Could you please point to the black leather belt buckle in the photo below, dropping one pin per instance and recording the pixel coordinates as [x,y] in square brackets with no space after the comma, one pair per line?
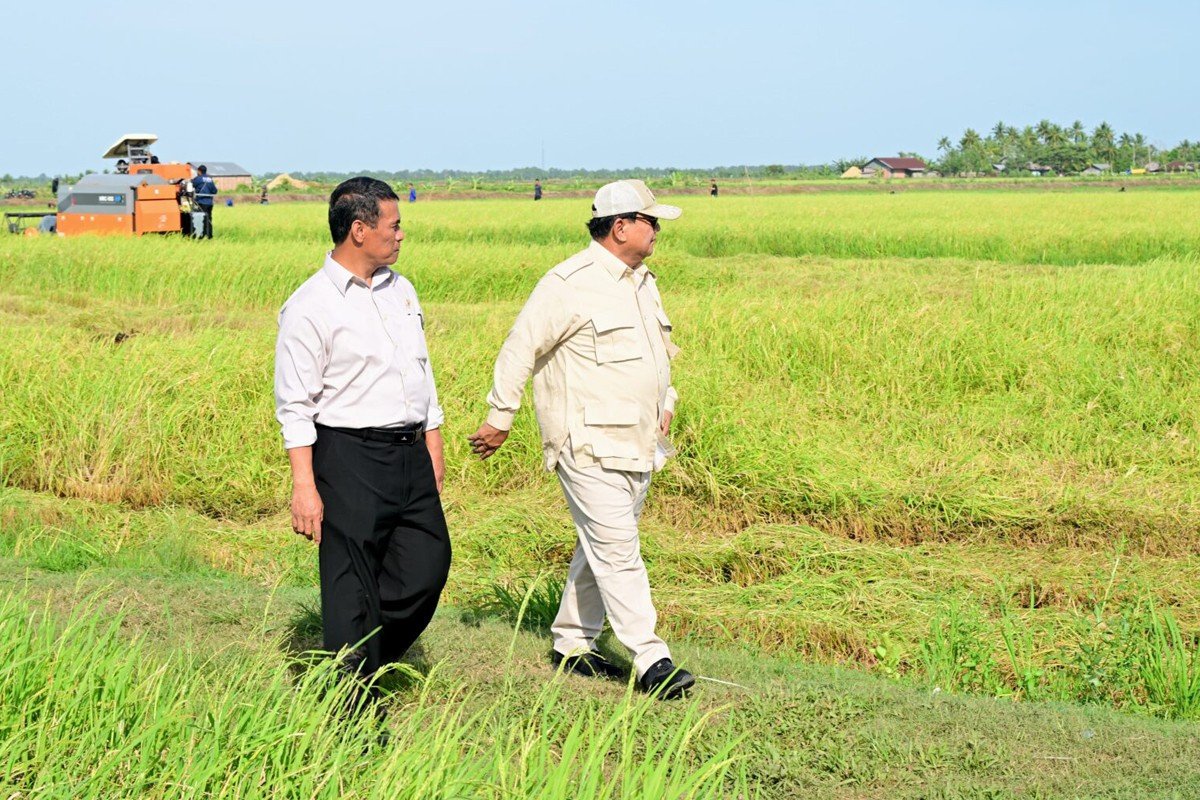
[405,437]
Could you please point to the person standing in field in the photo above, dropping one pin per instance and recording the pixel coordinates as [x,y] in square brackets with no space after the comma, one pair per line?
[595,338]
[206,191]
[412,193]
[357,402]
[537,189]
[712,188]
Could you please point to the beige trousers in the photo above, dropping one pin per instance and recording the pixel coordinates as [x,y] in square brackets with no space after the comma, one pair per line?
[607,572]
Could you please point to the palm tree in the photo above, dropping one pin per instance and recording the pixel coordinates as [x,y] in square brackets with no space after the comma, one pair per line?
[970,139]
[1139,143]
[1078,134]
[1045,130]
[944,144]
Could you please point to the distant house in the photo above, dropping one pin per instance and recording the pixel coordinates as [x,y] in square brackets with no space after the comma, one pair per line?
[868,172]
[896,167]
[1153,167]
[226,174]
[998,168]
[1038,170]
[1097,169]
[1181,166]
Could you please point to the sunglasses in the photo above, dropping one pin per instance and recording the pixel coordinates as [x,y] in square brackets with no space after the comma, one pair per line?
[651,220]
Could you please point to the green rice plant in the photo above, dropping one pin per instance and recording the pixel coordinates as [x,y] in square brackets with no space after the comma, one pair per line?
[86,713]
[1170,667]
[1027,668]
[956,655]
[530,604]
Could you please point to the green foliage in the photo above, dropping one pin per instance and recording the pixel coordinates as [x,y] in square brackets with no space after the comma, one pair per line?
[1066,150]
[531,604]
[82,707]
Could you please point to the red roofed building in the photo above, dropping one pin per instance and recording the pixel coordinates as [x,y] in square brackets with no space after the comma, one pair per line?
[897,167]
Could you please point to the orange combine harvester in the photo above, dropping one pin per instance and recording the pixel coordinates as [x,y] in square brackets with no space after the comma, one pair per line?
[144,196]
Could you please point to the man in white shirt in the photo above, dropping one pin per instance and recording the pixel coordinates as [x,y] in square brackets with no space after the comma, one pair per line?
[597,342]
[355,396]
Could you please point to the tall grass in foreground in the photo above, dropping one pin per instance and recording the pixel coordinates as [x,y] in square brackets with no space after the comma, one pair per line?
[86,713]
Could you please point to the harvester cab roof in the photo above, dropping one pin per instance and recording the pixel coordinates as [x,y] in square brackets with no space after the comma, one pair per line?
[132,148]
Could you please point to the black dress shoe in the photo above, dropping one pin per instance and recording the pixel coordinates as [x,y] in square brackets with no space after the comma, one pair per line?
[590,665]
[666,681]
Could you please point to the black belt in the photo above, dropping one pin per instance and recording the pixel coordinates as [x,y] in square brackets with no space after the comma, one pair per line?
[407,435]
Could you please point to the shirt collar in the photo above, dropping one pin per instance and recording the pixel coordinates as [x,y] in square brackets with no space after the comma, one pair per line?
[612,265]
[342,277]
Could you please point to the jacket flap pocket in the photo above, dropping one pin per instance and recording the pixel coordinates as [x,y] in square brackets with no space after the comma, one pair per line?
[605,321]
[611,413]
[663,319]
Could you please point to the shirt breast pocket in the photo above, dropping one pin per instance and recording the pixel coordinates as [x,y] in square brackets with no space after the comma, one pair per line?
[407,335]
[616,338]
[664,328]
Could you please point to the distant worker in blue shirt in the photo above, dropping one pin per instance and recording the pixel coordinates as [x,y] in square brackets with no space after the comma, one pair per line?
[537,189]
[206,191]
[412,193]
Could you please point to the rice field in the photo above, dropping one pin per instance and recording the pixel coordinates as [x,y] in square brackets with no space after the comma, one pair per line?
[949,440]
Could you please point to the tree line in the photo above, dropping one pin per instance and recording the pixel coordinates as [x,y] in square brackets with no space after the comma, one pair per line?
[1067,149]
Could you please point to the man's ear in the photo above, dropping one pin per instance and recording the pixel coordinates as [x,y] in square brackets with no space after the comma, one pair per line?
[618,230]
[358,231]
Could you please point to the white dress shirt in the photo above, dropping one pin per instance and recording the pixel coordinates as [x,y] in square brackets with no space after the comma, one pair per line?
[351,355]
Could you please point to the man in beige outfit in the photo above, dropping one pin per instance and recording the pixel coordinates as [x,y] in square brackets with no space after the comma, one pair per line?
[597,342]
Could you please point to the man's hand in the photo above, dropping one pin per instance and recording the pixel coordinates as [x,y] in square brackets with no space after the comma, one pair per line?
[307,511]
[487,440]
[307,508]
[666,422]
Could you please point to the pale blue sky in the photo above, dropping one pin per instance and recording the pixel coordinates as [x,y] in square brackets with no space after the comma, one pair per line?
[481,85]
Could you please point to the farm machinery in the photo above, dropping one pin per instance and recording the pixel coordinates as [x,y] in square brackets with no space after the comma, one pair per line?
[143,196]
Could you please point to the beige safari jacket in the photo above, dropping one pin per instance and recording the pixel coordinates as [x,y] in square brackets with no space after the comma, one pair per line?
[596,339]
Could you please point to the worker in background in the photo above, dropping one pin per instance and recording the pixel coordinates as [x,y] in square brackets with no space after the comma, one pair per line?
[206,190]
[537,189]
[412,193]
[263,199]
[712,188]
[54,187]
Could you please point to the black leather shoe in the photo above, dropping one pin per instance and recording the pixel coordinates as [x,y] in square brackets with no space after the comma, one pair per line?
[590,665]
[666,681]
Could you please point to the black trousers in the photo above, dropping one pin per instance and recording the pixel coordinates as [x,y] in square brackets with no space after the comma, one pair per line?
[385,549]
[207,232]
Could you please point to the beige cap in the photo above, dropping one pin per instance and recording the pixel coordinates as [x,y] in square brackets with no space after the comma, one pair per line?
[627,197]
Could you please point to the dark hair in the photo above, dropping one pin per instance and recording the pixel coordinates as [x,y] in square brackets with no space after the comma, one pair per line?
[599,227]
[203,170]
[356,198]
